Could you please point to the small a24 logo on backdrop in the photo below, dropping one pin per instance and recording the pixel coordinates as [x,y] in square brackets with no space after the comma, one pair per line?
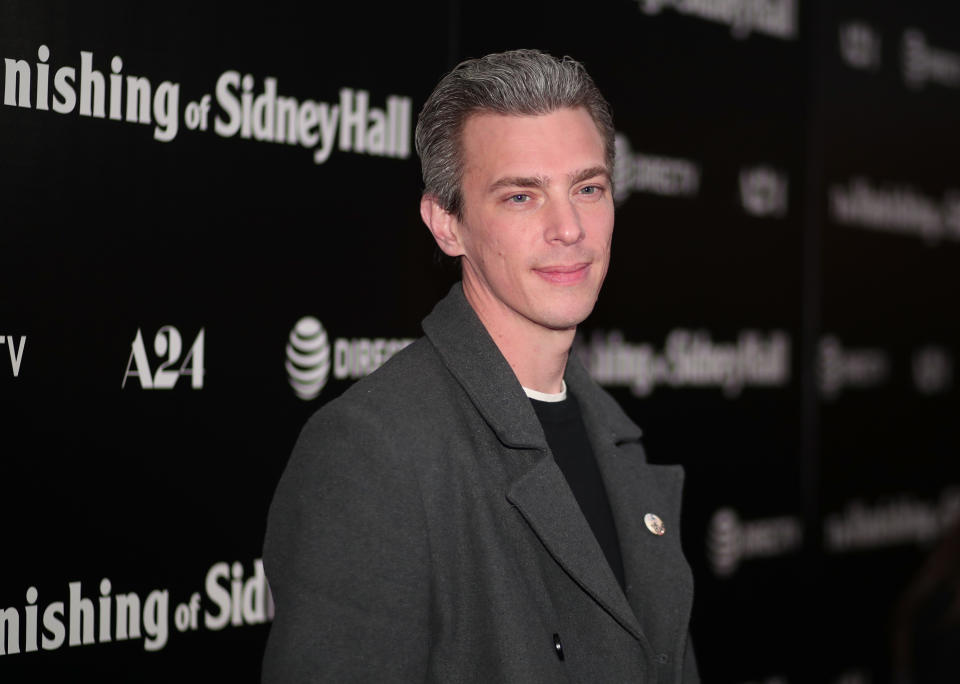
[169,364]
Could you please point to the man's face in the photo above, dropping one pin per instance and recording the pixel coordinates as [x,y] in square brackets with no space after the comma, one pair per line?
[537,218]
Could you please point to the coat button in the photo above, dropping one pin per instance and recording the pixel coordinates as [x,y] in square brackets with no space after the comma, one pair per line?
[558,646]
[654,524]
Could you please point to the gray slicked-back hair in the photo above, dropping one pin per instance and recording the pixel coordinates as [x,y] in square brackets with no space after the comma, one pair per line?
[519,82]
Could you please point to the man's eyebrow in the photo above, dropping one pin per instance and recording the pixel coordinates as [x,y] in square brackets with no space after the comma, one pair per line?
[583,175]
[519,182]
[543,181]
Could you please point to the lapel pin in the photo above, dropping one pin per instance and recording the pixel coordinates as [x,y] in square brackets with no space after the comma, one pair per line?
[654,524]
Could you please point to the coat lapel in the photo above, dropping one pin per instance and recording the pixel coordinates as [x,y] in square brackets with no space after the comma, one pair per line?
[547,504]
[654,566]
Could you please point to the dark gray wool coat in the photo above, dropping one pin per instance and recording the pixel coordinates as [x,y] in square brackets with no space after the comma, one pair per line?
[422,532]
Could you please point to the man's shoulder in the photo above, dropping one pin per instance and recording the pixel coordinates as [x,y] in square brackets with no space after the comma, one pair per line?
[413,376]
[407,392]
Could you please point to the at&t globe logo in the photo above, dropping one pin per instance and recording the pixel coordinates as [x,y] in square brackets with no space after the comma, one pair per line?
[308,358]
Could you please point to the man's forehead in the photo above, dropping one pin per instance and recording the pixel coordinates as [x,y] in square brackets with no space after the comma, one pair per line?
[515,145]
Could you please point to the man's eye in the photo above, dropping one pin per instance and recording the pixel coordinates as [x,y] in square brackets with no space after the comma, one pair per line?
[591,190]
[519,198]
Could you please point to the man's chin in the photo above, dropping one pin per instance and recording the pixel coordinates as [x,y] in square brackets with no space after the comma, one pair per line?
[565,320]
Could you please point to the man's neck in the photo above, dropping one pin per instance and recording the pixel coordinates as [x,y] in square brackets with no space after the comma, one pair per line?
[537,355]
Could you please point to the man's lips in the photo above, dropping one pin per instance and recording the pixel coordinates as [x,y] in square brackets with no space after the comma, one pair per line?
[563,274]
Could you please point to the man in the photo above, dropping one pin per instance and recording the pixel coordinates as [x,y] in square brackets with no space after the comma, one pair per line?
[479,510]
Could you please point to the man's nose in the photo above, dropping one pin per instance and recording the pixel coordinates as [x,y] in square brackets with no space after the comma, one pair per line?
[563,223]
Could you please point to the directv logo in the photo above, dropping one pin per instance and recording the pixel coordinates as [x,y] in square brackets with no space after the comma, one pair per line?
[308,358]
[312,356]
[723,542]
[657,175]
[731,540]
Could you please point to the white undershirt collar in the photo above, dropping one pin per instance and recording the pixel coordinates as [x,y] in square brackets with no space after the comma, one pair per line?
[544,396]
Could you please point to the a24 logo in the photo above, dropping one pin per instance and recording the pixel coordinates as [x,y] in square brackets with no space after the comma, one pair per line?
[167,346]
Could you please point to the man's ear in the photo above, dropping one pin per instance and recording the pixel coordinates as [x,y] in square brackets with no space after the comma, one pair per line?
[443,225]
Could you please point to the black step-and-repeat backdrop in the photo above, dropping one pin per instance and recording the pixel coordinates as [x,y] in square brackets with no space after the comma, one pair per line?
[210,228]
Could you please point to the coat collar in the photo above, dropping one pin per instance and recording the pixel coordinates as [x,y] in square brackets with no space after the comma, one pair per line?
[475,361]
